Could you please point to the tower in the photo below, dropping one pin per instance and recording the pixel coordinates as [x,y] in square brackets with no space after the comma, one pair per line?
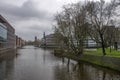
[35,42]
[44,39]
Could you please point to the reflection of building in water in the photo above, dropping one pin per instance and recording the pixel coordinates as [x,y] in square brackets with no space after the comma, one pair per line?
[2,70]
[94,73]
[6,69]
[83,72]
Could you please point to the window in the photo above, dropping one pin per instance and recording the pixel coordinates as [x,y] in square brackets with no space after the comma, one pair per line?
[3,33]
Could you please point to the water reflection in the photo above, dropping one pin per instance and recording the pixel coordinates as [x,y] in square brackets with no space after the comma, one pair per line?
[92,73]
[82,71]
[39,64]
[7,66]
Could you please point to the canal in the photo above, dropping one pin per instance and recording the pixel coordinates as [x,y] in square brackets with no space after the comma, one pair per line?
[33,63]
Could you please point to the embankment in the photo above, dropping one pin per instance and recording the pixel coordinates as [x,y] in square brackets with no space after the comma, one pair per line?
[104,61]
[7,53]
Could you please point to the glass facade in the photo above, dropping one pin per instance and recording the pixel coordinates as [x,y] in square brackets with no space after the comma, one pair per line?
[3,33]
[7,34]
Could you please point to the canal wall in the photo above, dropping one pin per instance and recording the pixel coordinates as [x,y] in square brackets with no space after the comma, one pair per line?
[104,61]
[7,52]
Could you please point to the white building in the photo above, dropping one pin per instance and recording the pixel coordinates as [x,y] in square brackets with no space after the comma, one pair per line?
[48,41]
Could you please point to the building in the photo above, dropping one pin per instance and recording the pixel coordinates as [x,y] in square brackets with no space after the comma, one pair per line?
[90,43]
[48,41]
[36,42]
[3,35]
[19,42]
[7,34]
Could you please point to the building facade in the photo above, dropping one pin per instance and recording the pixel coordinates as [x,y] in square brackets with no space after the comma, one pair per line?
[48,41]
[3,35]
[19,42]
[36,42]
[7,34]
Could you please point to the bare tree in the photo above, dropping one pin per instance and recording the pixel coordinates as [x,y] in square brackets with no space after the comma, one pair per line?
[77,21]
[71,23]
[99,16]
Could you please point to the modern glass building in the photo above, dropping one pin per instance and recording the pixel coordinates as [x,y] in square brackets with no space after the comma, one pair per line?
[7,34]
[3,35]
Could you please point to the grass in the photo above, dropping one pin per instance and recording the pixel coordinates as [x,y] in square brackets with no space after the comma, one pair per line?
[98,52]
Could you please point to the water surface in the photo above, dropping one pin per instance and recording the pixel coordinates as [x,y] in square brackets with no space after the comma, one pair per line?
[39,64]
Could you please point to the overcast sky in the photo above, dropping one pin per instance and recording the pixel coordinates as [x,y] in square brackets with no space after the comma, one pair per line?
[31,17]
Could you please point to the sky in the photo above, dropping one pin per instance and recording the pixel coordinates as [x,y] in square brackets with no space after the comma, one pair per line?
[31,18]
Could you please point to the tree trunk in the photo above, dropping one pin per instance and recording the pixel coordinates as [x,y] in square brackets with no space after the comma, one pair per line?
[80,51]
[63,60]
[103,45]
[115,46]
[68,64]
[110,47]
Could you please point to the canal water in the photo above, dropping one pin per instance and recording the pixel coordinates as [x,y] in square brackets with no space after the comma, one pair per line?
[33,63]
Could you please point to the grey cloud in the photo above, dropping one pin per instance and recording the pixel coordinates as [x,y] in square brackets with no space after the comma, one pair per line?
[26,11]
[27,19]
[33,31]
[40,28]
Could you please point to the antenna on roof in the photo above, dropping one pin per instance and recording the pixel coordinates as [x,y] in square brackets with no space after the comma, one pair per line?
[44,37]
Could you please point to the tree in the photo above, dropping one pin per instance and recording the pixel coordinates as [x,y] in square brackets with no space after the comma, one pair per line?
[99,16]
[71,23]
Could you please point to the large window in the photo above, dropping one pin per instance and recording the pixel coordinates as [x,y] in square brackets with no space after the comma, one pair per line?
[3,33]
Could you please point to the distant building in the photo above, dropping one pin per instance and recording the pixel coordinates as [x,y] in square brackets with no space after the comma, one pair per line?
[36,42]
[19,42]
[48,41]
[90,43]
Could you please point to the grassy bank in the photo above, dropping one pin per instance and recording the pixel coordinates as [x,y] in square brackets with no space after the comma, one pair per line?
[95,56]
[113,53]
[104,61]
